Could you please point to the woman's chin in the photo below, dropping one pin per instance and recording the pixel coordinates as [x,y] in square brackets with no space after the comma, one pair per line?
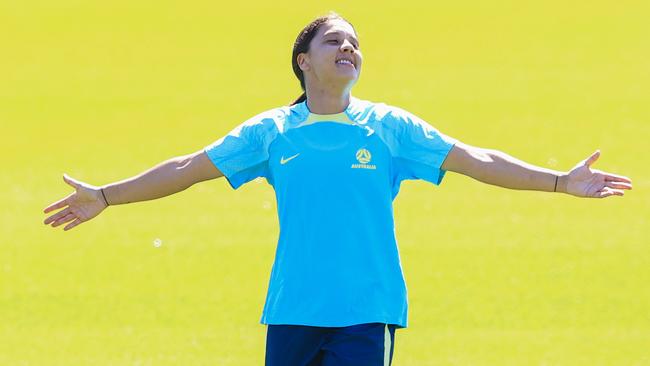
[346,69]
[350,76]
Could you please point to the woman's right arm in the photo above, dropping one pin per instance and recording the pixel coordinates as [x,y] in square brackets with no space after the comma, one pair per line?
[166,178]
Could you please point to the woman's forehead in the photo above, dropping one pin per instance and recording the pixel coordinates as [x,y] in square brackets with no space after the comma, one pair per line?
[335,26]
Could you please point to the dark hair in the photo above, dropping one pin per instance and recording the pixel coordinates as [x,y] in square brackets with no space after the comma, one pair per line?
[302,46]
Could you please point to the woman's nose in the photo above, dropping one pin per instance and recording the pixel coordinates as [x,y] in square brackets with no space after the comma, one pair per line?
[346,45]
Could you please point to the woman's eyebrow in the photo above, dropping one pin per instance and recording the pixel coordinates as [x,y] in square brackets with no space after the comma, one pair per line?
[336,33]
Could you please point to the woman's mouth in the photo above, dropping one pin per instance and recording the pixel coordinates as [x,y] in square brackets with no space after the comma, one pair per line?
[345,62]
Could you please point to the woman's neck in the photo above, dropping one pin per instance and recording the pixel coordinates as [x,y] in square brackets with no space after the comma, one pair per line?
[325,102]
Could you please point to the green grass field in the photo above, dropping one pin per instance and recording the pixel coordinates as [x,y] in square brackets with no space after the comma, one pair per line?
[105,90]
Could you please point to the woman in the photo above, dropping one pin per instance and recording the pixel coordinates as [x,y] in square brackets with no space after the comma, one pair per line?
[336,292]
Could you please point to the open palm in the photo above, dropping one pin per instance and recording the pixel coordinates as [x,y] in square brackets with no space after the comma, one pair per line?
[586,182]
[80,206]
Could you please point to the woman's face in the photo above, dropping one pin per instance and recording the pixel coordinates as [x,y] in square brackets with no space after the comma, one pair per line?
[334,57]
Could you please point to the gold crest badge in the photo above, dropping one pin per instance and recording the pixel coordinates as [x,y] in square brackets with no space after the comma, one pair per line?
[364,156]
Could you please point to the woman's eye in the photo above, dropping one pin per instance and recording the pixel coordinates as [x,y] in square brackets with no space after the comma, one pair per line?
[336,41]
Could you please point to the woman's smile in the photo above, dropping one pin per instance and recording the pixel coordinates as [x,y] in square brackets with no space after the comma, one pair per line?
[345,62]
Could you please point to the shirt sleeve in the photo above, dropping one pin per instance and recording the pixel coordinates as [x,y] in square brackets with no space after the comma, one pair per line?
[242,155]
[420,149]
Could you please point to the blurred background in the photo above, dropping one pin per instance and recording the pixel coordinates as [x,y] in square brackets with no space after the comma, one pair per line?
[105,90]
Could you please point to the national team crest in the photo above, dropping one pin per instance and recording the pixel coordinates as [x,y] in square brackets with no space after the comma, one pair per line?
[364,157]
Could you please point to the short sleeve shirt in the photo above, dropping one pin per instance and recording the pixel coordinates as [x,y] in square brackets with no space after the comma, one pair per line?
[335,178]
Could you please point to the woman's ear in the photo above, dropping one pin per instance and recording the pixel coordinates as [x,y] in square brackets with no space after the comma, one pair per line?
[303,61]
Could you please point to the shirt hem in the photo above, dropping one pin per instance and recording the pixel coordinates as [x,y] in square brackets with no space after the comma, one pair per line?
[380,319]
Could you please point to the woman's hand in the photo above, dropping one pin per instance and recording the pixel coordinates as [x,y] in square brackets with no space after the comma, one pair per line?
[80,206]
[582,181]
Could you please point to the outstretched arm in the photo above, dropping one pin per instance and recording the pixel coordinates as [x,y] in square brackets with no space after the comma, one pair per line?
[166,178]
[500,169]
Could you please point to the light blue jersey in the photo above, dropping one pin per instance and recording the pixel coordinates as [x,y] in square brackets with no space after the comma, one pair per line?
[335,177]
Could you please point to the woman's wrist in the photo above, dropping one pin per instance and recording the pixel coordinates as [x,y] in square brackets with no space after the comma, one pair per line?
[562,180]
[103,194]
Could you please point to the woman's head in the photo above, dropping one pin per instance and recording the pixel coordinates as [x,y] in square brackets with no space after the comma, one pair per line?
[327,51]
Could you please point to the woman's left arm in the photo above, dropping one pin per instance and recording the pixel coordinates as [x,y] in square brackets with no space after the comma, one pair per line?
[500,169]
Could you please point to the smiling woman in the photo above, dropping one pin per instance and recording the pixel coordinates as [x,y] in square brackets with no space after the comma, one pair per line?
[336,293]
[326,41]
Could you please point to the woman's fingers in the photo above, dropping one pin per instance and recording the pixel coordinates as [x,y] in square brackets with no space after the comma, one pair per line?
[619,185]
[617,178]
[72,224]
[58,204]
[71,181]
[592,159]
[610,177]
[57,216]
[67,218]
[606,192]
[63,201]
[77,207]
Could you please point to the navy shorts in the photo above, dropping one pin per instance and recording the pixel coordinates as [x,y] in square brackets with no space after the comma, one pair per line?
[357,345]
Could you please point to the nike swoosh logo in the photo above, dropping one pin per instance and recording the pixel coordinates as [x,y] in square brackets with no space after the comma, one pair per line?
[284,161]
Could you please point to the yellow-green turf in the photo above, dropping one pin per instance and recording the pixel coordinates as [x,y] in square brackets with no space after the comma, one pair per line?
[105,90]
